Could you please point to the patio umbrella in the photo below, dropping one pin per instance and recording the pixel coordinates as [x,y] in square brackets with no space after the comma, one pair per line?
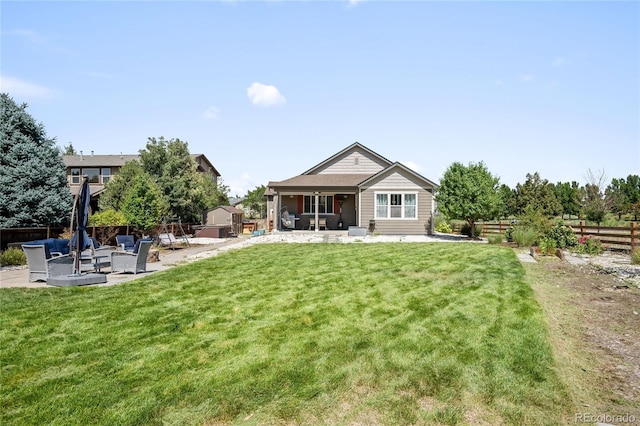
[79,219]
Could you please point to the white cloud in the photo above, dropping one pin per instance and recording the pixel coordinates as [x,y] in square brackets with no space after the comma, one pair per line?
[211,113]
[527,77]
[24,89]
[265,95]
[353,3]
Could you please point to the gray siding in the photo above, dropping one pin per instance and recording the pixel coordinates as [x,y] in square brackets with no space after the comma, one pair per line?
[354,162]
[397,182]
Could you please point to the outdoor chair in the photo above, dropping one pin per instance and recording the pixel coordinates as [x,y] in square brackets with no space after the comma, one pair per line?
[167,240]
[312,224]
[125,242]
[95,257]
[42,266]
[134,261]
[322,223]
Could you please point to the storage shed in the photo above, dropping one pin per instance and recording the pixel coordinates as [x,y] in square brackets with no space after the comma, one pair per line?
[225,216]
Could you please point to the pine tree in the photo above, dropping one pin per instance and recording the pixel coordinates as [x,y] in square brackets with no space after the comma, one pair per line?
[33,181]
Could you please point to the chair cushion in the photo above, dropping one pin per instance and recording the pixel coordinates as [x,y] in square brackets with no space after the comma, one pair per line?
[47,250]
[127,240]
[137,244]
[61,245]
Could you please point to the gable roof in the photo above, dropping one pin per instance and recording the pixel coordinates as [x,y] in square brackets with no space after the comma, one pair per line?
[229,209]
[401,166]
[353,147]
[118,160]
[322,180]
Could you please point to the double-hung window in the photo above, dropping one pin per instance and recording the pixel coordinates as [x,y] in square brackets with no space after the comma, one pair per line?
[75,176]
[396,205]
[325,204]
[105,173]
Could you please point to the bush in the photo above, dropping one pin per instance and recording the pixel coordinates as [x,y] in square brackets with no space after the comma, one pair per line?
[524,236]
[635,257]
[444,228]
[494,238]
[547,245]
[562,235]
[13,257]
[588,245]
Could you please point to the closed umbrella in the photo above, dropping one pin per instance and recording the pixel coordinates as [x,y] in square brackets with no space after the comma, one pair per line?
[79,220]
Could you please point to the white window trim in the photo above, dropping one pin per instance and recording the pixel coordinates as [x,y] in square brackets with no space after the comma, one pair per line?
[313,200]
[388,194]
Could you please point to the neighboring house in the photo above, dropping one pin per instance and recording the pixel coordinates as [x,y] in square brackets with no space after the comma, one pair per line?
[355,187]
[101,168]
[227,216]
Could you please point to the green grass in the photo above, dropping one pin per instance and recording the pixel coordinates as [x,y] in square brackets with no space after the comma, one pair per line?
[283,333]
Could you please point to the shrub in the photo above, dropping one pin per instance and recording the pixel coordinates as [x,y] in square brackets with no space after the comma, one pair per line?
[444,228]
[635,257]
[547,245]
[588,245]
[494,238]
[562,235]
[524,236]
[508,234]
[13,257]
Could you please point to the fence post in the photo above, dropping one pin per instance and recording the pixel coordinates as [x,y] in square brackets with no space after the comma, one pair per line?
[582,228]
[634,235]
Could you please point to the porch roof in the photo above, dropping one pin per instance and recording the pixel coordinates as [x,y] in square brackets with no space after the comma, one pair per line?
[346,180]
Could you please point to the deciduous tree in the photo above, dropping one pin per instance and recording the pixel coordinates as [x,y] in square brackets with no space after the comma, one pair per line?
[468,193]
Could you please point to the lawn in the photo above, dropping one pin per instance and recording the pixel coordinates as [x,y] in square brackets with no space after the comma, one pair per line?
[288,334]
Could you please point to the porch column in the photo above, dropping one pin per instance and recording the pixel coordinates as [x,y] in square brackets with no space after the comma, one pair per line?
[276,211]
[317,228]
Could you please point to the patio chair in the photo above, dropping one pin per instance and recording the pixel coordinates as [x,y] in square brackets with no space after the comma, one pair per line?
[95,257]
[167,240]
[42,266]
[125,242]
[134,261]
[322,223]
[312,224]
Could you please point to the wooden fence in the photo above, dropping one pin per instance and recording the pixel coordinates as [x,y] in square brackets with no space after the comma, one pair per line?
[13,237]
[615,237]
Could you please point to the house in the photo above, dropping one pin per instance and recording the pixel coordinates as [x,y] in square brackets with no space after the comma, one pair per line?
[101,168]
[355,187]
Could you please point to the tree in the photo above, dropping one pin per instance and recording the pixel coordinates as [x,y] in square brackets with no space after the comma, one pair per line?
[175,172]
[507,201]
[537,194]
[594,204]
[118,188]
[256,202]
[69,150]
[468,193]
[568,194]
[33,180]
[144,206]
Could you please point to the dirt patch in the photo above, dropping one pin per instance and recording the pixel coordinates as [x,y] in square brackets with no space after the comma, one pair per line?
[605,311]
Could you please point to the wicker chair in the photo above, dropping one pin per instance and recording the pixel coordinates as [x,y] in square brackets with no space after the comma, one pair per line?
[41,268]
[135,261]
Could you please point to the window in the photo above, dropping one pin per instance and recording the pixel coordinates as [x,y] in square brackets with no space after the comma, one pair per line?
[325,204]
[106,174]
[75,176]
[396,206]
[93,174]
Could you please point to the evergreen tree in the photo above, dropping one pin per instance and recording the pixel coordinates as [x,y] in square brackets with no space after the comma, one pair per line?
[568,194]
[33,181]
[537,194]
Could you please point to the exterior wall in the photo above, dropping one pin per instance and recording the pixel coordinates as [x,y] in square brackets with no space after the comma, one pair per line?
[218,217]
[354,162]
[294,206]
[397,182]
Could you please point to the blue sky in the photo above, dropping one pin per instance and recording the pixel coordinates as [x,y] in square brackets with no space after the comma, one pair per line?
[268,89]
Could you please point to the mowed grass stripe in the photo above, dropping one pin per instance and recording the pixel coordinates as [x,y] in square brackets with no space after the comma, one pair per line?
[281,333]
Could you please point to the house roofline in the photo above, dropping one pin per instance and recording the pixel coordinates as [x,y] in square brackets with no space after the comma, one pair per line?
[403,167]
[350,147]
